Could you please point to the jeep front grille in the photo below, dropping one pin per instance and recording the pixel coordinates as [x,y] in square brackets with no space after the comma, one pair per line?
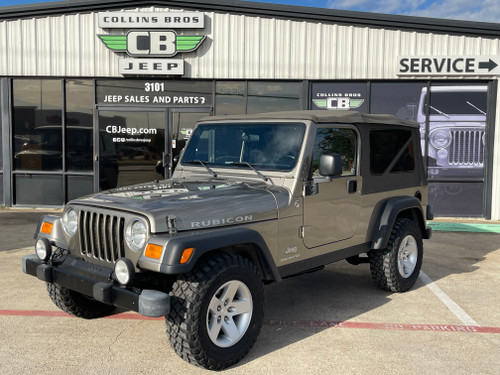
[467,148]
[101,236]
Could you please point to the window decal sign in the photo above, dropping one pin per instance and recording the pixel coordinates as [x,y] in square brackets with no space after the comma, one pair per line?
[154,47]
[338,103]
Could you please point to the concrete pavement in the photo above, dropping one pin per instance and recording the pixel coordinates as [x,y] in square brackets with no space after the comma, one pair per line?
[328,322]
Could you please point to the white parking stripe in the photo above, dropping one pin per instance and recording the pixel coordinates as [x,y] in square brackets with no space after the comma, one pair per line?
[449,303]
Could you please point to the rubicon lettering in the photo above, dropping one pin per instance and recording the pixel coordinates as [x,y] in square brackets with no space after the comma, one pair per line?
[221,221]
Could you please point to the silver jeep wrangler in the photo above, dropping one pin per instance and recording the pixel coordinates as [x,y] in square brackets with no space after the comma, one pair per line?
[253,200]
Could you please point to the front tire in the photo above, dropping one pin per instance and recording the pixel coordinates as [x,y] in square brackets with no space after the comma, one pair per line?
[396,268]
[216,312]
[77,304]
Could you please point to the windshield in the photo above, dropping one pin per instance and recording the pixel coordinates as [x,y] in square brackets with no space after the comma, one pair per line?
[265,146]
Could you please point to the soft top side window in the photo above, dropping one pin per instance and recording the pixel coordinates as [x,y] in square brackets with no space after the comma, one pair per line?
[342,141]
[391,151]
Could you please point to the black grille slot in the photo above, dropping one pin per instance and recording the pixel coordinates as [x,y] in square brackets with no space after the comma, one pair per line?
[467,148]
[101,236]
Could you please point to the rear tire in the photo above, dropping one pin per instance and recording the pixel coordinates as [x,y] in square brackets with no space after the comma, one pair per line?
[216,312]
[396,268]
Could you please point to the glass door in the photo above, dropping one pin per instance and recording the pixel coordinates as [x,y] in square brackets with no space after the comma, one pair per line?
[182,122]
[141,144]
[131,146]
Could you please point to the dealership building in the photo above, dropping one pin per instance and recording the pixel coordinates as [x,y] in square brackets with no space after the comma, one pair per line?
[101,94]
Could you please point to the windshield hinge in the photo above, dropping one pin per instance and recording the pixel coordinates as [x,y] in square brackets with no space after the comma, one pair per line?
[171,224]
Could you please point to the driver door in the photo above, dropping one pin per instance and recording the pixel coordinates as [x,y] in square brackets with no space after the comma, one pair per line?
[332,209]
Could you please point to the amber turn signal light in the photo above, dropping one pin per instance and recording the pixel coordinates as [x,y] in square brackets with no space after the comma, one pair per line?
[153,251]
[46,227]
[186,254]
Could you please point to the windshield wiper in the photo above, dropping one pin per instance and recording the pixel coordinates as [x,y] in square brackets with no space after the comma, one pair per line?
[438,111]
[202,163]
[245,163]
[476,108]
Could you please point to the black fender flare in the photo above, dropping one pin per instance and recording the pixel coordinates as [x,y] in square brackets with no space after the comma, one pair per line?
[243,241]
[391,210]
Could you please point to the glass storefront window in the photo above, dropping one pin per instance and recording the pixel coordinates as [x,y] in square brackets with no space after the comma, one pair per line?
[230,98]
[37,119]
[35,190]
[79,125]
[273,96]
[457,131]
[397,98]
[78,186]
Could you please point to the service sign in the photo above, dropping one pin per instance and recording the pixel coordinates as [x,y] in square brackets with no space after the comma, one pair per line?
[152,47]
[448,65]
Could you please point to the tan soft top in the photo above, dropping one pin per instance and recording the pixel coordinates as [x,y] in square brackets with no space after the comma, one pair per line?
[320,116]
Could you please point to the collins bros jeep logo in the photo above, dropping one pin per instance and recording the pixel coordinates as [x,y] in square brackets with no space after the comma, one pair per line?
[154,46]
[345,103]
[152,43]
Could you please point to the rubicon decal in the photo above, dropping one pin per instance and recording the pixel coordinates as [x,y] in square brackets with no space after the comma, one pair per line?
[162,43]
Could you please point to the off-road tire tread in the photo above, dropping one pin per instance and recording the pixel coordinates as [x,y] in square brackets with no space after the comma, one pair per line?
[188,294]
[383,265]
[76,304]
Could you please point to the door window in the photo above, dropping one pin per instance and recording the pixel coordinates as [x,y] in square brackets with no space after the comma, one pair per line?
[336,141]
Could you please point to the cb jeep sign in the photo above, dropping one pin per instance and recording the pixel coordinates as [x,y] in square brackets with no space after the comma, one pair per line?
[151,43]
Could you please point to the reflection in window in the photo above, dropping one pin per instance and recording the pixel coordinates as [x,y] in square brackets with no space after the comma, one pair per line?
[37,119]
[336,141]
[230,98]
[273,96]
[396,98]
[79,129]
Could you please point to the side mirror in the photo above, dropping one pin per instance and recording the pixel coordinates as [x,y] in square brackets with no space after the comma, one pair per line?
[330,165]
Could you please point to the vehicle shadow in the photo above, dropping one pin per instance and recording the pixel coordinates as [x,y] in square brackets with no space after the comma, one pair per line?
[306,305]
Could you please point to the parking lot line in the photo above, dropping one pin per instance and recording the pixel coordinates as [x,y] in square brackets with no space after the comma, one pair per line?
[448,302]
[289,323]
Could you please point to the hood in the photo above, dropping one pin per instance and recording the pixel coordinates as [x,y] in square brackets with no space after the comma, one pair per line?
[194,204]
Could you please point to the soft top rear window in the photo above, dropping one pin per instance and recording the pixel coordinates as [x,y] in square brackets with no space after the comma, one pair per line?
[391,151]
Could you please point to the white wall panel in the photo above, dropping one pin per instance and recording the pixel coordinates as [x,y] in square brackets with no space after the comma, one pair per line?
[237,47]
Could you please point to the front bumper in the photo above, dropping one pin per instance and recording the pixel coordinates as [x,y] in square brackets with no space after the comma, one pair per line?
[94,281]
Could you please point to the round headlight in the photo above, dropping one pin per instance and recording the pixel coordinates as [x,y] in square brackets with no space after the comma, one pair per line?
[124,271]
[43,249]
[136,234]
[440,138]
[70,222]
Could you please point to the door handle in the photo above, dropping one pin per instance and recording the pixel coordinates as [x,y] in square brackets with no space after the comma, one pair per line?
[352,186]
